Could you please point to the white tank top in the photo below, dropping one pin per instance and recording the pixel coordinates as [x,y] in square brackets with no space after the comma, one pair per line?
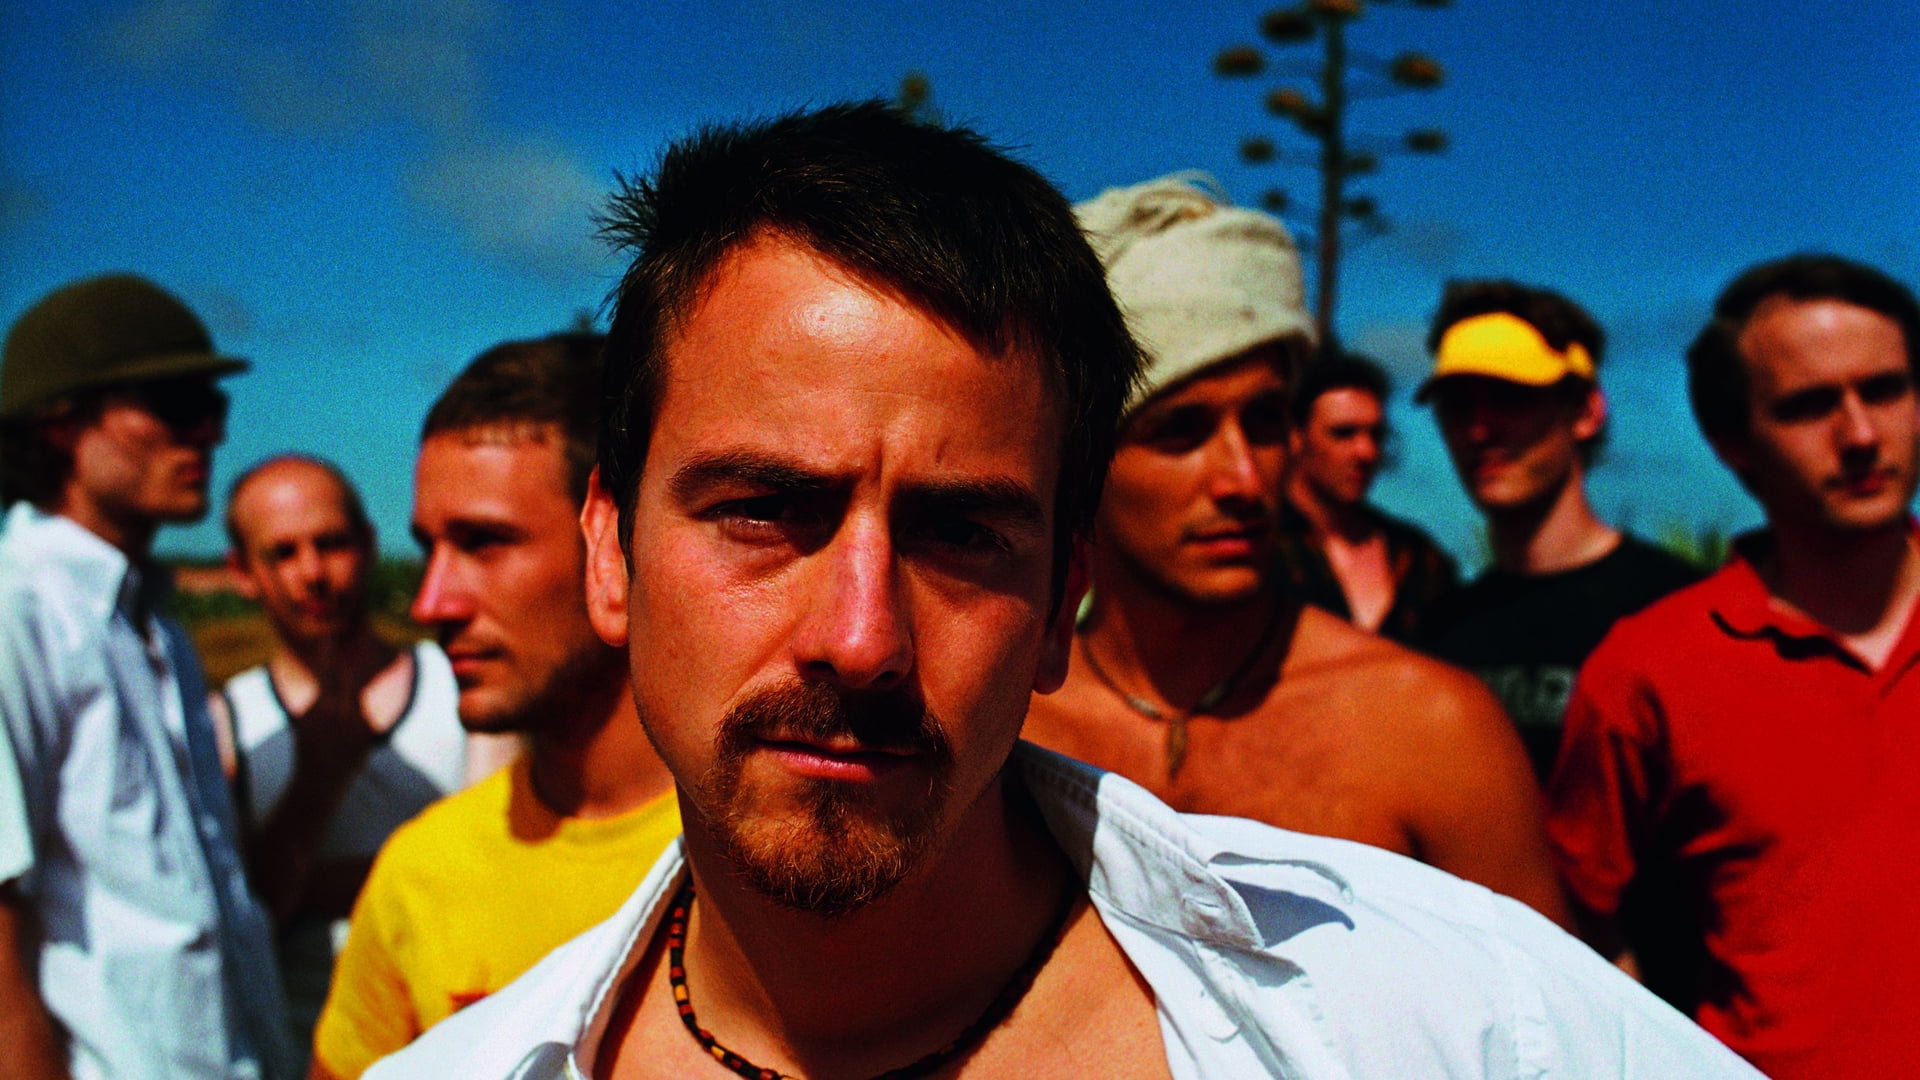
[419,759]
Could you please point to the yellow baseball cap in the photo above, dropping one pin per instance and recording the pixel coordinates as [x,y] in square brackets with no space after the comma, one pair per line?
[1504,346]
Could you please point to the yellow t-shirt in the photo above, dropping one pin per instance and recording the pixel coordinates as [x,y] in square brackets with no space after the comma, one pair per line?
[464,898]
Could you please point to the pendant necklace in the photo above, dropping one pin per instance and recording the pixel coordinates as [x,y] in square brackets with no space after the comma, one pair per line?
[1215,696]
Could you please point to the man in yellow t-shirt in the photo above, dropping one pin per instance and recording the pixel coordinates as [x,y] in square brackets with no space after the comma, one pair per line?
[484,883]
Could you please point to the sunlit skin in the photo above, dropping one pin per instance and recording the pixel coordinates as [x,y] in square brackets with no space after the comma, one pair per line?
[1832,419]
[504,562]
[132,472]
[1193,495]
[841,490]
[1330,730]
[302,555]
[1337,452]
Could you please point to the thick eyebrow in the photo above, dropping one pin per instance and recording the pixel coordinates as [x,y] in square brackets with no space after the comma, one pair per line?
[1006,501]
[1002,498]
[745,468]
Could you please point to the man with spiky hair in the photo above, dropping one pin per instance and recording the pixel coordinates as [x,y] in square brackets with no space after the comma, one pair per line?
[483,883]
[130,945]
[1735,803]
[864,379]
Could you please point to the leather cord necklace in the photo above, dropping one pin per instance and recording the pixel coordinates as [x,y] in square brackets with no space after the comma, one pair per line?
[1215,696]
[997,1010]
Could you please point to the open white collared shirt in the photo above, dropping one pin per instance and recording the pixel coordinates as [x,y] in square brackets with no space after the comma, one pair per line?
[116,824]
[1270,954]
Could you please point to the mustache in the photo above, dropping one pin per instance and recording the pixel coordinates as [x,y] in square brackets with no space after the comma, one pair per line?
[888,720]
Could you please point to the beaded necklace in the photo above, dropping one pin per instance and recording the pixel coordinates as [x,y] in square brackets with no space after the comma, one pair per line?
[997,1010]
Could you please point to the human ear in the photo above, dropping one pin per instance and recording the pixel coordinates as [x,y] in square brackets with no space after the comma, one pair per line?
[1592,417]
[1057,647]
[607,579]
[243,583]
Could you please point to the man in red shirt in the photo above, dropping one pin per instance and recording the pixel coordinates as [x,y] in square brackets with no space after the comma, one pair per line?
[1734,802]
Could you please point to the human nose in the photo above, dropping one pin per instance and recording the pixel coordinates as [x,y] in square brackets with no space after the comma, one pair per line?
[309,566]
[855,631]
[1234,469]
[442,598]
[1857,430]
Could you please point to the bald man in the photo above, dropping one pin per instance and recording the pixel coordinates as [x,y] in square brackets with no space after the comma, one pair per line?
[340,736]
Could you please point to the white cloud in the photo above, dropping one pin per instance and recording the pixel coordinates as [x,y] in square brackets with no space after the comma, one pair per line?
[416,65]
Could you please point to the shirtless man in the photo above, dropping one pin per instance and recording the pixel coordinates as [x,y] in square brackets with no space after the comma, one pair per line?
[1195,673]
[863,378]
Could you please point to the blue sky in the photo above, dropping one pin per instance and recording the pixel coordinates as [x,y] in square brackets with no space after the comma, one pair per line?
[360,196]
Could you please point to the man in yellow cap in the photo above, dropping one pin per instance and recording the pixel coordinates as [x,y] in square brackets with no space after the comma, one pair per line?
[130,945]
[1515,392]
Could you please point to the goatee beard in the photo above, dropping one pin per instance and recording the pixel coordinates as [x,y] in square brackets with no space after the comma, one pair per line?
[837,852]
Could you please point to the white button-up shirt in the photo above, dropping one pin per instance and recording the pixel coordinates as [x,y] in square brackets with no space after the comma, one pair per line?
[1270,954]
[116,822]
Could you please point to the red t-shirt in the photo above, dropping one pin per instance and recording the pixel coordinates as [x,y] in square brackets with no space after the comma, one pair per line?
[1744,794]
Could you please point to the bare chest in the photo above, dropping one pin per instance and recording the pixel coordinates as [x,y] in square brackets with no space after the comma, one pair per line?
[1294,764]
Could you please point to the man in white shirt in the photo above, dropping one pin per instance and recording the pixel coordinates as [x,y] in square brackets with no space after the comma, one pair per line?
[130,946]
[864,379]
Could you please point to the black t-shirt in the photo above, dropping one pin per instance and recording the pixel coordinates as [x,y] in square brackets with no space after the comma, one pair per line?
[1526,635]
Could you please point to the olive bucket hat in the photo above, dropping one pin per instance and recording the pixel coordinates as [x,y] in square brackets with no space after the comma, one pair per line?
[99,332]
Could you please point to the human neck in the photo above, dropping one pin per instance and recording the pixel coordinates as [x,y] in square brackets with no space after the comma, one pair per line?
[297,666]
[871,990]
[1148,638]
[1862,585]
[589,757]
[1557,534]
[134,537]
[1350,522]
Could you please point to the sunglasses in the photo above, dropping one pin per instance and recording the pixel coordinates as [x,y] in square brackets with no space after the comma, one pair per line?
[181,404]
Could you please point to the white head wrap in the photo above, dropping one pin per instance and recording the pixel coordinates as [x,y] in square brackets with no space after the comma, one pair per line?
[1200,280]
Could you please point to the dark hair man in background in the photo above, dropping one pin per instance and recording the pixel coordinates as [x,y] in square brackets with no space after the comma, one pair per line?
[339,737]
[1736,800]
[864,380]
[1514,388]
[1341,553]
[1197,673]
[483,883]
[130,945]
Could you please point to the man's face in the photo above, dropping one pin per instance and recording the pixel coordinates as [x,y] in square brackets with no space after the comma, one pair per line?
[841,570]
[1515,446]
[301,554]
[503,586]
[147,457]
[1337,452]
[1832,414]
[1192,499]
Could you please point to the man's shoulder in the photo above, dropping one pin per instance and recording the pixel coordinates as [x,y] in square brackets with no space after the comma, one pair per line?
[542,1014]
[1393,966]
[463,821]
[1661,631]
[1332,652]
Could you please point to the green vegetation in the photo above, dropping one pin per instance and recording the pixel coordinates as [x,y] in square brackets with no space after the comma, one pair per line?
[1705,546]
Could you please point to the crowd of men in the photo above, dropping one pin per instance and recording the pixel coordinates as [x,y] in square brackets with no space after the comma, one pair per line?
[943,631]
